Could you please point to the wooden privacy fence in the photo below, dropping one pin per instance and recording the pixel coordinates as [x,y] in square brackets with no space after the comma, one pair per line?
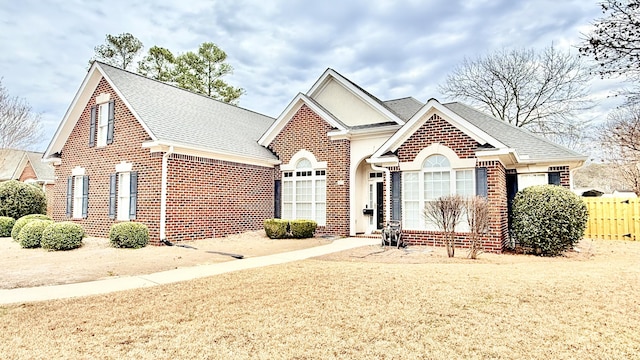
[613,218]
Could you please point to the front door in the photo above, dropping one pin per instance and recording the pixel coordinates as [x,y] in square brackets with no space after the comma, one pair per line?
[379,205]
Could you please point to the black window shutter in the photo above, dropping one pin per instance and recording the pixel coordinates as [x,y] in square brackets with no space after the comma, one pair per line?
[133,194]
[85,196]
[69,196]
[554,178]
[112,196]
[277,206]
[481,182]
[396,197]
[92,126]
[111,121]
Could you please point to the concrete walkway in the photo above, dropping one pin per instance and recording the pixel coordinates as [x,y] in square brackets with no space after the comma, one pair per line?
[40,293]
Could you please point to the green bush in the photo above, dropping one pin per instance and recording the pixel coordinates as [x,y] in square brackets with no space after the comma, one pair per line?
[18,199]
[548,219]
[276,228]
[302,229]
[6,224]
[23,221]
[62,236]
[31,233]
[133,235]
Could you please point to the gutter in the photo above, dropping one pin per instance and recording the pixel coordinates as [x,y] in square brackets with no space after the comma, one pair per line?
[163,193]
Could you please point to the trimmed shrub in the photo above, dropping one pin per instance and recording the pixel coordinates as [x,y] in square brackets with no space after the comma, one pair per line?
[133,235]
[6,224]
[31,233]
[23,221]
[62,236]
[548,219]
[302,229]
[276,228]
[18,199]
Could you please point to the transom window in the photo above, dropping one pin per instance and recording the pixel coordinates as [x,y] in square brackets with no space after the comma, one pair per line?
[304,193]
[434,180]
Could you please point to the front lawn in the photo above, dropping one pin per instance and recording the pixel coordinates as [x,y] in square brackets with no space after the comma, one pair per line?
[521,307]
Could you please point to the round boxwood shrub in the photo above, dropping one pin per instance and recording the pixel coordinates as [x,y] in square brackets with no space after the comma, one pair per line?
[548,219]
[6,224]
[31,233]
[276,228]
[302,229]
[18,199]
[62,236]
[23,221]
[132,235]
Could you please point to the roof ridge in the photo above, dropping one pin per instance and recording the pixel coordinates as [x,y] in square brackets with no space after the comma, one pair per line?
[179,88]
[406,97]
[517,128]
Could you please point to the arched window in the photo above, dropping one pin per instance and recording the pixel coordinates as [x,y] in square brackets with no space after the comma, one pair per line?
[435,179]
[304,192]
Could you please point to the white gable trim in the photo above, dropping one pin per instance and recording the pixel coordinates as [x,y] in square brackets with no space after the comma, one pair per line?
[332,74]
[418,119]
[80,101]
[288,114]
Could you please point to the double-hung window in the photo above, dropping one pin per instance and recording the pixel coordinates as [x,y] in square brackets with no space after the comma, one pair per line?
[103,123]
[304,193]
[123,193]
[77,194]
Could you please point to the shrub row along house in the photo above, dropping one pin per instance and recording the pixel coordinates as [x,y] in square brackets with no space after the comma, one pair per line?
[133,149]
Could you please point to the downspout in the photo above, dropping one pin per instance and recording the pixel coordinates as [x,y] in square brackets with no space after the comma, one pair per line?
[163,193]
[387,189]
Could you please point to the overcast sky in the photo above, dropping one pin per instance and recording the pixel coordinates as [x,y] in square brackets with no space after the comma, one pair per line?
[279,48]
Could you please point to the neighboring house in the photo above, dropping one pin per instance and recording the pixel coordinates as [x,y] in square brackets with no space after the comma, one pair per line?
[25,166]
[190,167]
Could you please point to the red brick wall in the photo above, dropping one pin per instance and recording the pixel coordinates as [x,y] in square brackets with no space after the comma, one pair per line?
[565,179]
[27,173]
[437,130]
[209,198]
[306,130]
[100,162]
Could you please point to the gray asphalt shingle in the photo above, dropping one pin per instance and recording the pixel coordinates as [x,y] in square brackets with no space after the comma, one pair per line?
[176,115]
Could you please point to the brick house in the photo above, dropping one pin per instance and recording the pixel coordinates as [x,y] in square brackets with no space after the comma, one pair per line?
[134,149]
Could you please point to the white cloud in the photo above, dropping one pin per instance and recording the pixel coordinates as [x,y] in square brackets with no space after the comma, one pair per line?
[279,48]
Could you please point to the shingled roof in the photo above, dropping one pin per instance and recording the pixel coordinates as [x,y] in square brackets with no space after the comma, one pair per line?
[405,108]
[176,115]
[526,144]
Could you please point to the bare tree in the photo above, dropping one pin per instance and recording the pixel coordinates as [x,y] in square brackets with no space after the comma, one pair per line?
[445,213]
[541,91]
[620,138]
[19,125]
[477,211]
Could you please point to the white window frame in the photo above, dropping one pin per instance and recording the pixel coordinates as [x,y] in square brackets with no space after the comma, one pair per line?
[103,124]
[78,189]
[304,189]
[413,219]
[531,179]
[123,195]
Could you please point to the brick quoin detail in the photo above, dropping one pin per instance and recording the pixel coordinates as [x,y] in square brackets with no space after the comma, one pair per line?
[437,130]
[210,198]
[307,130]
[100,162]
[565,179]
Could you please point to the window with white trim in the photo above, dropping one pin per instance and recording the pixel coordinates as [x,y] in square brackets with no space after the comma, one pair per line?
[78,196]
[436,179]
[304,193]
[526,180]
[124,195]
[103,123]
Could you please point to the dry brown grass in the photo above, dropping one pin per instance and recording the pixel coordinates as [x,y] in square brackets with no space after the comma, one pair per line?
[513,307]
